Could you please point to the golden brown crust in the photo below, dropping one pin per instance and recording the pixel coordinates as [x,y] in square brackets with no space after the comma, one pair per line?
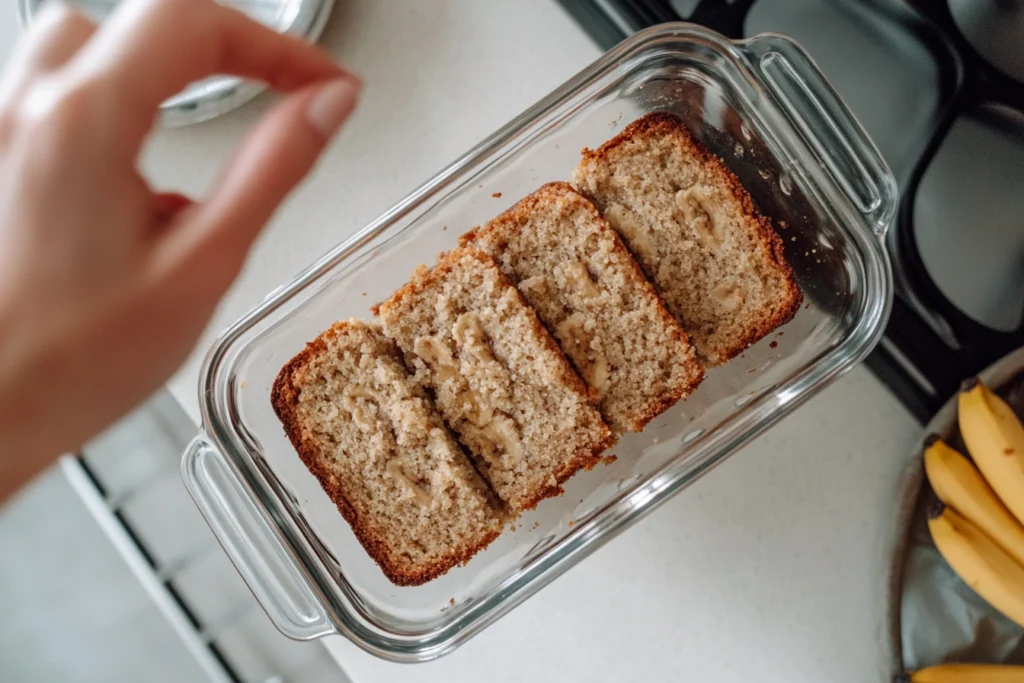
[284,398]
[665,123]
[516,215]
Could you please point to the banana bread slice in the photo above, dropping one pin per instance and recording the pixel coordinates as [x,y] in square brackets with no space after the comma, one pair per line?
[372,438]
[497,375]
[585,286]
[716,262]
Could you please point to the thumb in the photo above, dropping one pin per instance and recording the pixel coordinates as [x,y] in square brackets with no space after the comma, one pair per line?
[273,159]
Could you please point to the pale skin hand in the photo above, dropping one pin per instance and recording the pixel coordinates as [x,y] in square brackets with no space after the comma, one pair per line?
[105,284]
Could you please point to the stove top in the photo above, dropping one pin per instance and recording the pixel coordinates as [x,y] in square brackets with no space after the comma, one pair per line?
[951,127]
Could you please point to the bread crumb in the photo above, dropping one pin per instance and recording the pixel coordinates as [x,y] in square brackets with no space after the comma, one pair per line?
[570,523]
[472,340]
[423,507]
[673,202]
[609,459]
[496,195]
[364,293]
[451,601]
[444,228]
[573,269]
[242,384]
[773,345]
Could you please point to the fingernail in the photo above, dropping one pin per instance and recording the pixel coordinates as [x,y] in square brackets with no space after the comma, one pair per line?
[332,104]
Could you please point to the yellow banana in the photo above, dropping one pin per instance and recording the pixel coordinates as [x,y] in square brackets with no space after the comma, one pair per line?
[995,438]
[965,673]
[982,564]
[958,484]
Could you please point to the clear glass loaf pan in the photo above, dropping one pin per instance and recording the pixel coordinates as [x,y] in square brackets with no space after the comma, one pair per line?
[760,104]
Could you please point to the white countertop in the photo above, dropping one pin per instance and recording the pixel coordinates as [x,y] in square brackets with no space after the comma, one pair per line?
[767,570]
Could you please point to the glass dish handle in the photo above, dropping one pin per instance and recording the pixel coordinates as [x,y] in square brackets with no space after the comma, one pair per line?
[251,544]
[827,125]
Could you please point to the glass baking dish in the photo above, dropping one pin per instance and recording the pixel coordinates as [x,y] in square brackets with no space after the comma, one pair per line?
[760,104]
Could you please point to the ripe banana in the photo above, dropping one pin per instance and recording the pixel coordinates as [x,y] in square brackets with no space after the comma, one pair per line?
[958,484]
[965,673]
[982,564]
[995,438]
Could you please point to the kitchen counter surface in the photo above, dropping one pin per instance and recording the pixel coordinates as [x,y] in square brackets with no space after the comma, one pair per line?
[769,569]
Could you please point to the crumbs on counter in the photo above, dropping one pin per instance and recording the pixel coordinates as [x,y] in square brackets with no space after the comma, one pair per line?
[773,345]
[609,459]
[444,228]
[451,601]
[496,195]
[241,385]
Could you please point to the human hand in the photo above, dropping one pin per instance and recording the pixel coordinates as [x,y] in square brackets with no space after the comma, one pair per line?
[105,283]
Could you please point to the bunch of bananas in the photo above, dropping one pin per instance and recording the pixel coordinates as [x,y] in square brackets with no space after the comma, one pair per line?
[978,526]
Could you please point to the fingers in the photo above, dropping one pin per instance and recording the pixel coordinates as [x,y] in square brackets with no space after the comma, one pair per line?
[181,41]
[274,158]
[58,33]
[167,205]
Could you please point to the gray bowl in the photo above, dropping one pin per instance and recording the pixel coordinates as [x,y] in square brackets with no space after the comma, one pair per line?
[216,95]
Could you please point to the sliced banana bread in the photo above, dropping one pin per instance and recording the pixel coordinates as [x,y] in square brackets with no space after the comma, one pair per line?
[372,438]
[497,375]
[716,262]
[587,289]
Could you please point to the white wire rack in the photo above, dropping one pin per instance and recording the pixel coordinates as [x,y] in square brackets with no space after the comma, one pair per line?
[128,480]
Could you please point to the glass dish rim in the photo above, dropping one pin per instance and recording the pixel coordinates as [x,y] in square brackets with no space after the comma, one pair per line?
[759,414]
